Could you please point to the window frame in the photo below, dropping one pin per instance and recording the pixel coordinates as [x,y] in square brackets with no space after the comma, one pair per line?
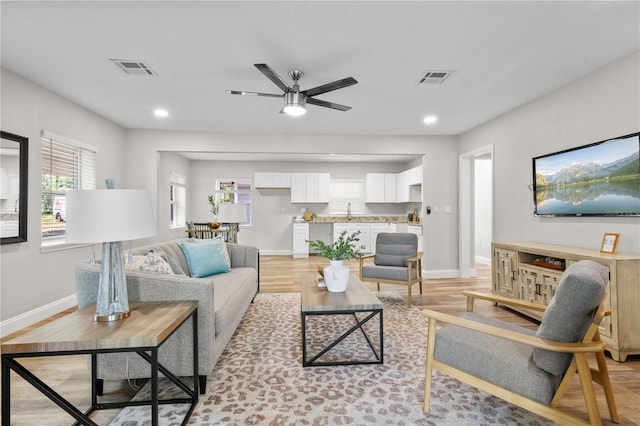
[81,160]
[177,201]
[231,193]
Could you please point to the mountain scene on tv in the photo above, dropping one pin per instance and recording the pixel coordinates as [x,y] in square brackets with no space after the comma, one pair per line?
[598,180]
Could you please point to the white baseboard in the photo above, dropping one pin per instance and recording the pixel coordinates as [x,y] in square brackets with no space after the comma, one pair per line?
[43,312]
[483,260]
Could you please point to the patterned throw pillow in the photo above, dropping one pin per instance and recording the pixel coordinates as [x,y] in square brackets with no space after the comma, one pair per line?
[175,266]
[134,263]
[152,262]
[225,252]
[155,263]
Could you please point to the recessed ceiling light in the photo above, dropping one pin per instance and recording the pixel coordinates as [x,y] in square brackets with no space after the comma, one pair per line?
[430,119]
[161,113]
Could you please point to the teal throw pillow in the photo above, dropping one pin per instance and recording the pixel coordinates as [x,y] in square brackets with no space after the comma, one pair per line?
[205,258]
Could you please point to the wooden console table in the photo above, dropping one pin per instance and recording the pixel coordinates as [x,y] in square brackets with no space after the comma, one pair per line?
[521,270]
[144,331]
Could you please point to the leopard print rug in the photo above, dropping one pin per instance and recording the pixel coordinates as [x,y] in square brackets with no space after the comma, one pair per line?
[259,379]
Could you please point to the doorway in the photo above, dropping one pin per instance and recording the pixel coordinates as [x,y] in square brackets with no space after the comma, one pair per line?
[476,204]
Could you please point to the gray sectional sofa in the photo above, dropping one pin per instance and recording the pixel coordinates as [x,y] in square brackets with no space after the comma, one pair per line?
[222,302]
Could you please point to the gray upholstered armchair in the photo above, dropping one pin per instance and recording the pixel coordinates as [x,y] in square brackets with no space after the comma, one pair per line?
[396,261]
[523,367]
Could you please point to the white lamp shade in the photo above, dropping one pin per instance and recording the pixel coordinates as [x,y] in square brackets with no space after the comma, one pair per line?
[108,215]
[232,213]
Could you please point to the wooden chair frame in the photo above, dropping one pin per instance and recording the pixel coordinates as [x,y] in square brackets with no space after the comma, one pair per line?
[414,262]
[590,344]
[203,231]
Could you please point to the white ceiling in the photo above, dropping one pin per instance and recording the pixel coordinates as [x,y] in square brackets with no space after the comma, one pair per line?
[504,53]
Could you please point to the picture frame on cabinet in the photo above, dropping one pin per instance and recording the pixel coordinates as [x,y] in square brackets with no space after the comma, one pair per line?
[609,243]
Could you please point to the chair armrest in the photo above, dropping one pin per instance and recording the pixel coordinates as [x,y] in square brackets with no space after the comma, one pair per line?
[362,259]
[551,345]
[416,257]
[471,295]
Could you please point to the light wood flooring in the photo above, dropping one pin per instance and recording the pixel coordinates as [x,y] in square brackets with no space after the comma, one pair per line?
[280,274]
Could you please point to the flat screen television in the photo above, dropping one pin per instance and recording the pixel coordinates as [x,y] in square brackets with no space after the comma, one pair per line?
[599,179]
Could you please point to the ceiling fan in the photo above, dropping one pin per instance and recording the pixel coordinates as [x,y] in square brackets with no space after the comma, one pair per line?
[295,100]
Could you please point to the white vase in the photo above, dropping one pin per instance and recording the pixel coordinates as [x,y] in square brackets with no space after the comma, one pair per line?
[336,276]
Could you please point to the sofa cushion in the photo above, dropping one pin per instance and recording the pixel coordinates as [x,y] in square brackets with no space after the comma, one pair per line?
[205,258]
[398,273]
[230,293]
[570,312]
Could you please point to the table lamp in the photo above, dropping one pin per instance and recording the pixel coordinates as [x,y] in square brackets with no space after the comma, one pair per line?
[110,216]
[233,214]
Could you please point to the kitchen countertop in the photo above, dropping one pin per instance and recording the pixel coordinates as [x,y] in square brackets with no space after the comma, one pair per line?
[362,219]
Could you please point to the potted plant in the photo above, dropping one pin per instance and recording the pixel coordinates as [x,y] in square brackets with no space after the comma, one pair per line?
[215,208]
[336,275]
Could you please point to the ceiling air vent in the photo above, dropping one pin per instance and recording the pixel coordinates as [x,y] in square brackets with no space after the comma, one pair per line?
[435,76]
[133,67]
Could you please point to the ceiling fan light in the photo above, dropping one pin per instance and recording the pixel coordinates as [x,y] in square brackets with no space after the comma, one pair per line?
[294,110]
[294,104]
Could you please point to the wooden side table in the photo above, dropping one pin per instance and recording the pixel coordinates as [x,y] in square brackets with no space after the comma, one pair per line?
[147,328]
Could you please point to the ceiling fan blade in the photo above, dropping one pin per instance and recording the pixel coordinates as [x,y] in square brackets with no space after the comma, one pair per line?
[338,84]
[271,75]
[242,92]
[326,104]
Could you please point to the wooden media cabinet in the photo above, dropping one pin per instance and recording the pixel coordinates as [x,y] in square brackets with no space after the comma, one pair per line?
[531,271]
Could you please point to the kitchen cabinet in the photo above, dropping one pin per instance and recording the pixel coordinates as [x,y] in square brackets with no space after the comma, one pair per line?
[402,187]
[300,237]
[409,186]
[416,229]
[414,176]
[271,180]
[380,187]
[364,236]
[522,271]
[310,187]
[377,228]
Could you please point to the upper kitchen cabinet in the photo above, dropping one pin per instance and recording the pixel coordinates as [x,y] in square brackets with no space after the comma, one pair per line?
[380,187]
[409,185]
[310,187]
[272,180]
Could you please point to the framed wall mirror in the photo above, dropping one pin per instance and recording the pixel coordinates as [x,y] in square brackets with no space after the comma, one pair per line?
[14,163]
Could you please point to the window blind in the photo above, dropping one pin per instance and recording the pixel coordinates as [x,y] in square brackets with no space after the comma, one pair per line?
[66,166]
[344,192]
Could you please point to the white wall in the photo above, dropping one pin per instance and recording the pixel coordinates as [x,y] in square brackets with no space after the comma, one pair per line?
[602,105]
[440,175]
[29,278]
[483,215]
